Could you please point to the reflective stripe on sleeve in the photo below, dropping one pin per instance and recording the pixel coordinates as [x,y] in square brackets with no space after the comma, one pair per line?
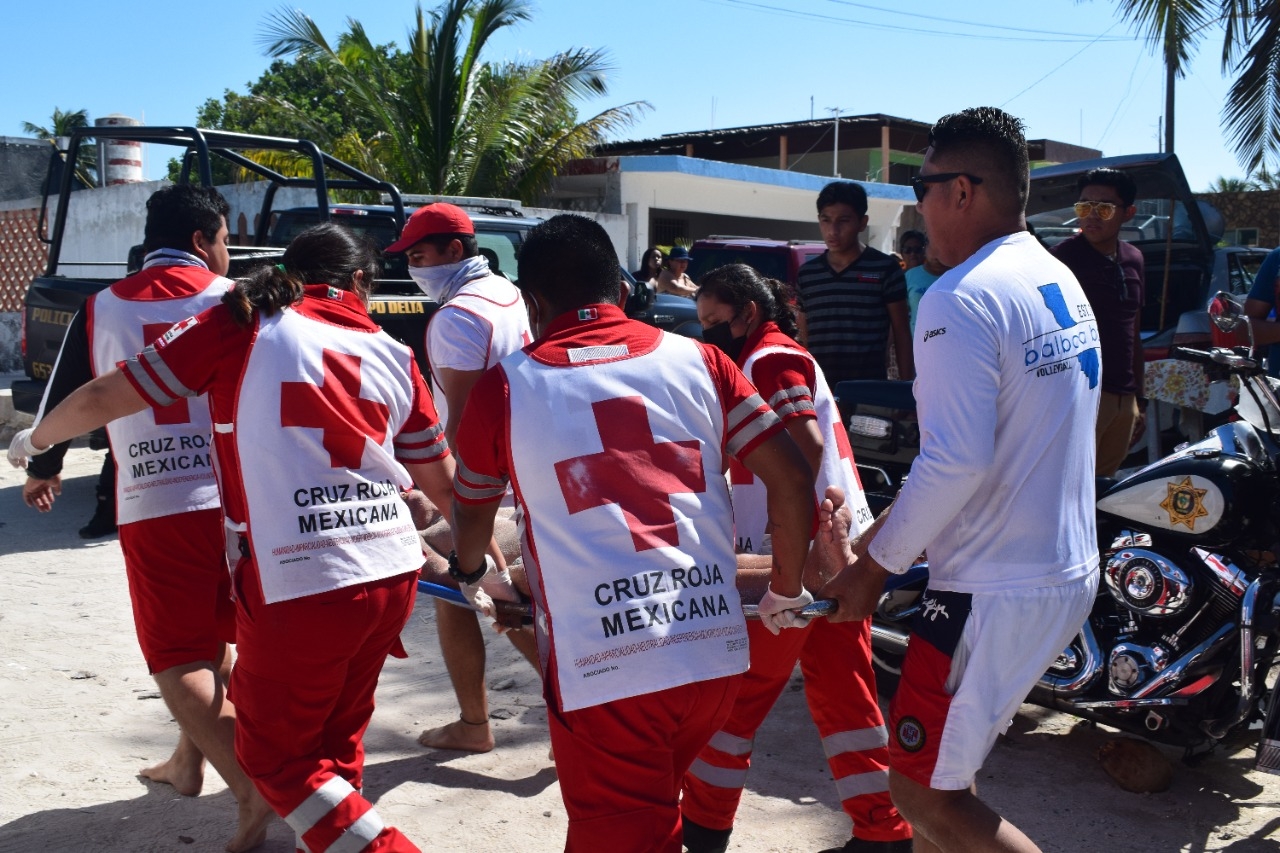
[156,365]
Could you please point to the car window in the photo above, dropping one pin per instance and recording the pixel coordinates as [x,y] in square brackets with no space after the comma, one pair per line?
[500,247]
[1242,270]
[771,264]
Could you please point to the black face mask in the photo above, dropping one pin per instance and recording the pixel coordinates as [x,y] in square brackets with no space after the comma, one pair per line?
[721,337]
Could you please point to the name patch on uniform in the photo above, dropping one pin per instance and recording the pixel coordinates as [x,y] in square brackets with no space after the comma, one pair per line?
[584,354]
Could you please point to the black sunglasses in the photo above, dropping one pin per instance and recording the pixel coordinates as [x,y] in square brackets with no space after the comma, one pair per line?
[920,183]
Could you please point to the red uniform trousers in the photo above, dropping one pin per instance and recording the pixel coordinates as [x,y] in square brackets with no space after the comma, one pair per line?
[303,688]
[179,587]
[620,763]
[839,684]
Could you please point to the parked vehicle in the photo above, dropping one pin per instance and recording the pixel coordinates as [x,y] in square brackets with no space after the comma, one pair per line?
[1182,642]
[780,259]
[397,304]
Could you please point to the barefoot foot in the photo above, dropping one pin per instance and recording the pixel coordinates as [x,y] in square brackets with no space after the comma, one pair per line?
[460,735]
[252,830]
[186,776]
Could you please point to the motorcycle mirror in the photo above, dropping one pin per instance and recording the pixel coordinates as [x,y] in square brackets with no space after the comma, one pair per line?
[1231,326]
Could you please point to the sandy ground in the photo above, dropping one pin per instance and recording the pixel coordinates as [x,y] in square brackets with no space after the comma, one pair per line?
[80,716]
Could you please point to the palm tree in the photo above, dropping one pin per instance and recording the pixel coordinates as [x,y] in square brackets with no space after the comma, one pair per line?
[1231,185]
[61,124]
[1250,50]
[459,125]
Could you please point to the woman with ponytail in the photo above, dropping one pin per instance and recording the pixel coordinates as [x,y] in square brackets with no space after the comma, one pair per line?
[320,422]
[750,318]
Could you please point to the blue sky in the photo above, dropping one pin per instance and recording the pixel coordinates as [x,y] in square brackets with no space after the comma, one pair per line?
[1072,69]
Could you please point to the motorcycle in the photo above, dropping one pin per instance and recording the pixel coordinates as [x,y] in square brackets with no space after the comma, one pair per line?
[1182,641]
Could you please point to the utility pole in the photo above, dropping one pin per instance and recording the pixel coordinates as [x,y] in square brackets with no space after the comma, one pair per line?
[835,151]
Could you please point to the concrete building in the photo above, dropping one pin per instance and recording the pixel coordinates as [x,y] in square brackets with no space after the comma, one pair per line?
[760,181]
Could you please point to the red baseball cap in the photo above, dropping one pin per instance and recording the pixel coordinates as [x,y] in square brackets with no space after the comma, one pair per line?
[438,218]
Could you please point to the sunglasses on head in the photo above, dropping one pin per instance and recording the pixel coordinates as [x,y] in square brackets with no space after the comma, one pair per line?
[920,183]
[1104,209]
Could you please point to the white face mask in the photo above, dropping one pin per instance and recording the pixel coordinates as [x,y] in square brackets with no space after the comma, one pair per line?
[434,281]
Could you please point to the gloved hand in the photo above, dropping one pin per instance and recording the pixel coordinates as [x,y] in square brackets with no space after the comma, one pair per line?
[21,449]
[493,586]
[777,612]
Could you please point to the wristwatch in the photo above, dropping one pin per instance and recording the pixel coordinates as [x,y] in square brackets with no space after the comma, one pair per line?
[455,571]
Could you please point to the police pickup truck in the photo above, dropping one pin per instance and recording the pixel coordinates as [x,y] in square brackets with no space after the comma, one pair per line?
[54,297]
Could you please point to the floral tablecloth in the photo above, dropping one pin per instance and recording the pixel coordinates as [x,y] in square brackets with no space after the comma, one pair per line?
[1184,383]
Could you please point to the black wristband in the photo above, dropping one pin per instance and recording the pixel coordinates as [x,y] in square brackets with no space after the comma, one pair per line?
[455,571]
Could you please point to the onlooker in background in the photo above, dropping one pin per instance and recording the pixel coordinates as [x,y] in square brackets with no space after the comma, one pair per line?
[170,515]
[911,248]
[629,531]
[919,278]
[750,319]
[673,278]
[1261,306]
[1007,441]
[481,320]
[851,296]
[1112,274]
[650,266]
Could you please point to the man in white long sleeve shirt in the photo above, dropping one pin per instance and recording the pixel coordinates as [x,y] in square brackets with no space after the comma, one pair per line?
[1008,371]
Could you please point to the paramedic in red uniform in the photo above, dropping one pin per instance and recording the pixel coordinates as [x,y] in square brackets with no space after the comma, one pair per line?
[749,318]
[480,321]
[614,436]
[170,518]
[320,420]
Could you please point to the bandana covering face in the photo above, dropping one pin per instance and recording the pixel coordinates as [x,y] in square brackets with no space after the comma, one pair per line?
[442,282]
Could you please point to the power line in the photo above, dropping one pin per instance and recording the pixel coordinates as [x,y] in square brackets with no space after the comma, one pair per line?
[853,22]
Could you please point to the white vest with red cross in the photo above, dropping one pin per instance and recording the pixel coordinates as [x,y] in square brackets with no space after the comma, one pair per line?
[315,416]
[617,461]
[161,454]
[750,503]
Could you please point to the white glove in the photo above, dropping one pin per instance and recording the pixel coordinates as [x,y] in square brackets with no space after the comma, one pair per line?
[21,449]
[493,586]
[777,612]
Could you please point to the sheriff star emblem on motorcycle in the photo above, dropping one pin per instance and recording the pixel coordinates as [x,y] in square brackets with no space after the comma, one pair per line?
[1184,503]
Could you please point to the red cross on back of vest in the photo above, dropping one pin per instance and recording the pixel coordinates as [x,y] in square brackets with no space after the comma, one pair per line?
[634,472]
[336,407]
[176,413]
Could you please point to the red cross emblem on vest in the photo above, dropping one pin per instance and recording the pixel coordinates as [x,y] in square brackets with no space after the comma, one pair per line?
[336,407]
[633,471]
[175,413]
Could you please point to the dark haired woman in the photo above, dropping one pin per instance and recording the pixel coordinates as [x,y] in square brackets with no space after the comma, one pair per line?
[320,420]
[749,317]
[650,265]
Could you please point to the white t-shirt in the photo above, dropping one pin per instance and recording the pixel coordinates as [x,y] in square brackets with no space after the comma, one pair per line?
[1007,385]
[481,324]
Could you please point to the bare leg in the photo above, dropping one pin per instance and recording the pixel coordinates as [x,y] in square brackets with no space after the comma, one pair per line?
[954,821]
[197,698]
[462,645]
